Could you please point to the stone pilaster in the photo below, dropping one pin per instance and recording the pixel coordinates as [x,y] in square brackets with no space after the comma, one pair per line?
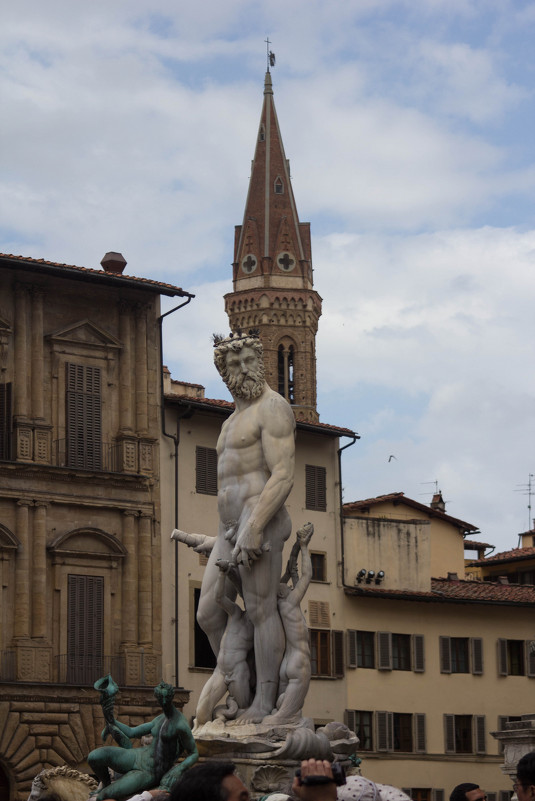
[21,394]
[142,415]
[145,580]
[39,622]
[130,581]
[22,575]
[37,354]
[125,370]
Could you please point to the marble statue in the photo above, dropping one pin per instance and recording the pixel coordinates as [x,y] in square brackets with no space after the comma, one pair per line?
[149,766]
[256,453]
[62,782]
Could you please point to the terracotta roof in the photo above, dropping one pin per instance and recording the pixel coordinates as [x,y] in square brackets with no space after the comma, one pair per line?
[399,497]
[88,273]
[476,545]
[456,591]
[227,407]
[514,555]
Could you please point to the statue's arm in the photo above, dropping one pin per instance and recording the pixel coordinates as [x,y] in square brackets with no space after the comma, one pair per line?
[201,543]
[134,731]
[301,587]
[277,425]
[220,596]
[185,745]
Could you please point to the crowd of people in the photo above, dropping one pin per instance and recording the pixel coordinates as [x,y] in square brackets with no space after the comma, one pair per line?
[219,781]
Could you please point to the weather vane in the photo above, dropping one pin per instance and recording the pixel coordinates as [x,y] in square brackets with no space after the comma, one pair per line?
[270,55]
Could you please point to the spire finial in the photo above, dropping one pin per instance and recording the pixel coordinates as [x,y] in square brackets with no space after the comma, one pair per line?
[269,55]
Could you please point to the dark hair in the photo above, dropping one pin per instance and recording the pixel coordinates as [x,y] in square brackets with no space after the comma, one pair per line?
[525,770]
[203,782]
[459,793]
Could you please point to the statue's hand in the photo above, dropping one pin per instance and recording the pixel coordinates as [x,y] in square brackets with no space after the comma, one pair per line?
[249,546]
[304,534]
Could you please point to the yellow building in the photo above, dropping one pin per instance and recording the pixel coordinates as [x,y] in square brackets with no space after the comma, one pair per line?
[80,561]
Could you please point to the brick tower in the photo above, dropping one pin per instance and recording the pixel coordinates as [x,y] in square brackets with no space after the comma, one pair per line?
[272,272]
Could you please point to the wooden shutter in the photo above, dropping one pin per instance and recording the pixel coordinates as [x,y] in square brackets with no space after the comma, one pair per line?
[352,648]
[476,644]
[437,795]
[315,487]
[502,657]
[385,733]
[350,719]
[418,654]
[319,614]
[530,658]
[445,654]
[449,734]
[419,733]
[206,470]
[83,416]
[337,651]
[384,650]
[85,618]
[479,734]
[6,416]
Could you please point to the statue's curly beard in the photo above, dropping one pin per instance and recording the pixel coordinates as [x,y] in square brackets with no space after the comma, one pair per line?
[247,387]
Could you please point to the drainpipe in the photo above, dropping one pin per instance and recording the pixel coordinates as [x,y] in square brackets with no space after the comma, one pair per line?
[342,549]
[175,438]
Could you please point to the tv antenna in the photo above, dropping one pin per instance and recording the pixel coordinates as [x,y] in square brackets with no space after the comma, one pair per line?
[529,490]
[435,482]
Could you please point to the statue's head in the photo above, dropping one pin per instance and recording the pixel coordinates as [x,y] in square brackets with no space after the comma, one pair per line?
[239,359]
[164,693]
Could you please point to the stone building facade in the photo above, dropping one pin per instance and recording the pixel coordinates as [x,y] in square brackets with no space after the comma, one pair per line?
[80,563]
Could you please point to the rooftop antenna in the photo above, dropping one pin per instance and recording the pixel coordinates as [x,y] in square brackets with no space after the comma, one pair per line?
[429,482]
[269,55]
[529,490]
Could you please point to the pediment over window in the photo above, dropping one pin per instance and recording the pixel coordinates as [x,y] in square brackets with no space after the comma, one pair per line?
[85,333]
[8,541]
[88,542]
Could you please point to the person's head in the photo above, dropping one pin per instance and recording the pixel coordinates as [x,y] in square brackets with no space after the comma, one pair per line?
[467,791]
[239,361]
[164,693]
[211,781]
[524,786]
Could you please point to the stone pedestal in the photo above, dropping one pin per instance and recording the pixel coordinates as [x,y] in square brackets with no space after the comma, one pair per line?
[266,756]
[517,738]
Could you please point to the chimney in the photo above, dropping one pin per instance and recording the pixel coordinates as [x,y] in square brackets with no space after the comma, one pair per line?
[113,263]
[502,580]
[438,503]
[453,577]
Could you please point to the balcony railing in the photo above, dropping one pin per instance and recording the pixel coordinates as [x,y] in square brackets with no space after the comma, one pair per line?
[96,456]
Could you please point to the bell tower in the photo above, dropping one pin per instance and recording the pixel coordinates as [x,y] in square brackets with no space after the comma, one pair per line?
[272,272]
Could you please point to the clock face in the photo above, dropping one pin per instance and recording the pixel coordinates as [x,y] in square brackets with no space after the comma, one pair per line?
[248,264]
[286,261]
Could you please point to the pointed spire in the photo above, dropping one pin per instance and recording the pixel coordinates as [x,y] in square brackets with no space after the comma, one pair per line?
[272,270]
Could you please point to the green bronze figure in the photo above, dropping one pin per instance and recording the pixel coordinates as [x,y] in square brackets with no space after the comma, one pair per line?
[148,766]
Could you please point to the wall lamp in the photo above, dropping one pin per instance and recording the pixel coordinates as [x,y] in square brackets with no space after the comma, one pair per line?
[369,575]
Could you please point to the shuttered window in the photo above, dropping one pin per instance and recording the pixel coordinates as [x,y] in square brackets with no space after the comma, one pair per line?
[516,658]
[84,416]
[85,634]
[206,470]
[361,723]
[319,614]
[316,487]
[461,655]
[327,653]
[6,417]
[361,649]
[464,734]
[398,731]
[400,651]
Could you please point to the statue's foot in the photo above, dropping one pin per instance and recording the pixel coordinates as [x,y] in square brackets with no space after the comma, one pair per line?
[255,714]
[279,719]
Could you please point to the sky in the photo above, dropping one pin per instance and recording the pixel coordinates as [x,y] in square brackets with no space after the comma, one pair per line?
[130,126]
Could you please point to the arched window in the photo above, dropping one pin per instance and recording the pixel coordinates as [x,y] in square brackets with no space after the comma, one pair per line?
[285,372]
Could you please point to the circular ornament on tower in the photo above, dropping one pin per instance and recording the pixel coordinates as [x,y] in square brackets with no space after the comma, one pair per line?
[248,264]
[286,261]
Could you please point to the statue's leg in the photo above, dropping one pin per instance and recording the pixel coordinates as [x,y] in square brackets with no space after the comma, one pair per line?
[134,781]
[118,759]
[210,616]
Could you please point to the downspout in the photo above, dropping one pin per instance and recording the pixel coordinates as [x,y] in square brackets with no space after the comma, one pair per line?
[175,438]
[342,549]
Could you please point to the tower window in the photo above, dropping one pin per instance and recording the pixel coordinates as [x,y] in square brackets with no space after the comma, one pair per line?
[262,134]
[286,372]
[279,187]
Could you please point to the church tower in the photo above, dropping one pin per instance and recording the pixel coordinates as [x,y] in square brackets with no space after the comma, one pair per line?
[272,272]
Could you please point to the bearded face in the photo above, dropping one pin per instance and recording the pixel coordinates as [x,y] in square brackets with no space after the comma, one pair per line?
[243,373]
